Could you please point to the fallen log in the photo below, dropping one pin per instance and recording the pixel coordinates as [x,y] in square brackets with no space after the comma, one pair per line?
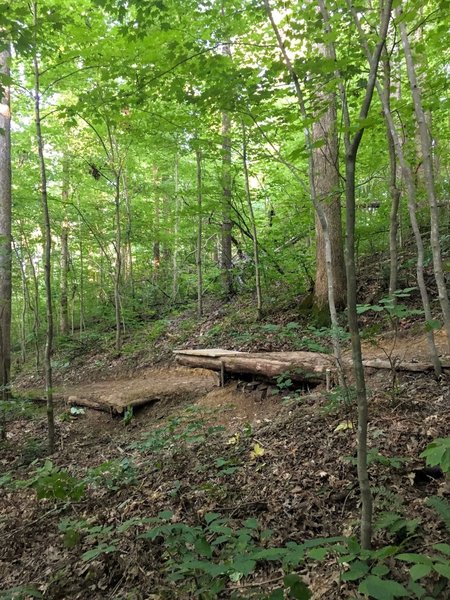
[199,362]
[309,367]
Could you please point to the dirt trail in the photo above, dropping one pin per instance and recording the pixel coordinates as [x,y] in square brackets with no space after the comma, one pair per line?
[181,383]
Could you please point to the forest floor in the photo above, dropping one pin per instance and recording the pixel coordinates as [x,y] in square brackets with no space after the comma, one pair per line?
[277,468]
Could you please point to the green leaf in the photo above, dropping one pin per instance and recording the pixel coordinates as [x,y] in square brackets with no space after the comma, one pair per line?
[420,570]
[243,565]
[432,325]
[380,570]
[251,523]
[357,570]
[71,538]
[270,554]
[442,569]
[444,548]
[203,548]
[98,551]
[419,559]
[382,589]
[318,553]
[213,516]
[165,515]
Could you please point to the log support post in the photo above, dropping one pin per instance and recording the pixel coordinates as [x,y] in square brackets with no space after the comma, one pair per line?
[223,375]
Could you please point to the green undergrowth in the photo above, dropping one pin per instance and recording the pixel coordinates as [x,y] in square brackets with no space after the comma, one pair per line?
[209,554]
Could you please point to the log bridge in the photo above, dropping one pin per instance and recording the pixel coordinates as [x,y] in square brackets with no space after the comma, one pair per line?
[311,368]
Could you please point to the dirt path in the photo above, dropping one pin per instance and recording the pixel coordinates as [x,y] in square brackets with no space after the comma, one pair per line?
[181,383]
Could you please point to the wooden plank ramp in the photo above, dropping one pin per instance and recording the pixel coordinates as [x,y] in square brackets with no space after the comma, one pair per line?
[116,395]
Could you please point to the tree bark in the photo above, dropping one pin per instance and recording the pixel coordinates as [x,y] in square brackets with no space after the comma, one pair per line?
[26,303]
[408,177]
[198,254]
[118,265]
[394,189]
[351,153]
[326,182]
[5,240]
[252,224]
[426,146]
[64,317]
[128,254]
[312,188]
[225,258]
[35,305]
[47,242]
[176,231]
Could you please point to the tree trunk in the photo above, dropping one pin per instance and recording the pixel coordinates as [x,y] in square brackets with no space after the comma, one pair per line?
[408,177]
[426,146]
[253,225]
[326,182]
[318,207]
[64,317]
[198,254]
[225,258]
[81,283]
[26,303]
[176,229]
[35,305]
[394,189]
[47,244]
[64,321]
[351,152]
[5,241]
[118,265]
[128,263]
[156,240]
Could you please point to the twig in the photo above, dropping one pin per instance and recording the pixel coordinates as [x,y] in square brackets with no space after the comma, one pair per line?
[255,583]
[41,518]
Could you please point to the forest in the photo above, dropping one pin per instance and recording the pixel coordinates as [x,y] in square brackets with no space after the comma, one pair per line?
[224,305]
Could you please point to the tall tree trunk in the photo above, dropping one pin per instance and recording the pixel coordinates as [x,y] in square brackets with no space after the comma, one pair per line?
[198,255]
[426,146]
[64,320]
[118,265]
[394,188]
[326,182]
[176,230]
[252,223]
[81,282]
[318,207]
[47,244]
[225,258]
[128,231]
[156,239]
[408,177]
[35,305]
[351,153]
[26,303]
[64,317]
[5,241]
